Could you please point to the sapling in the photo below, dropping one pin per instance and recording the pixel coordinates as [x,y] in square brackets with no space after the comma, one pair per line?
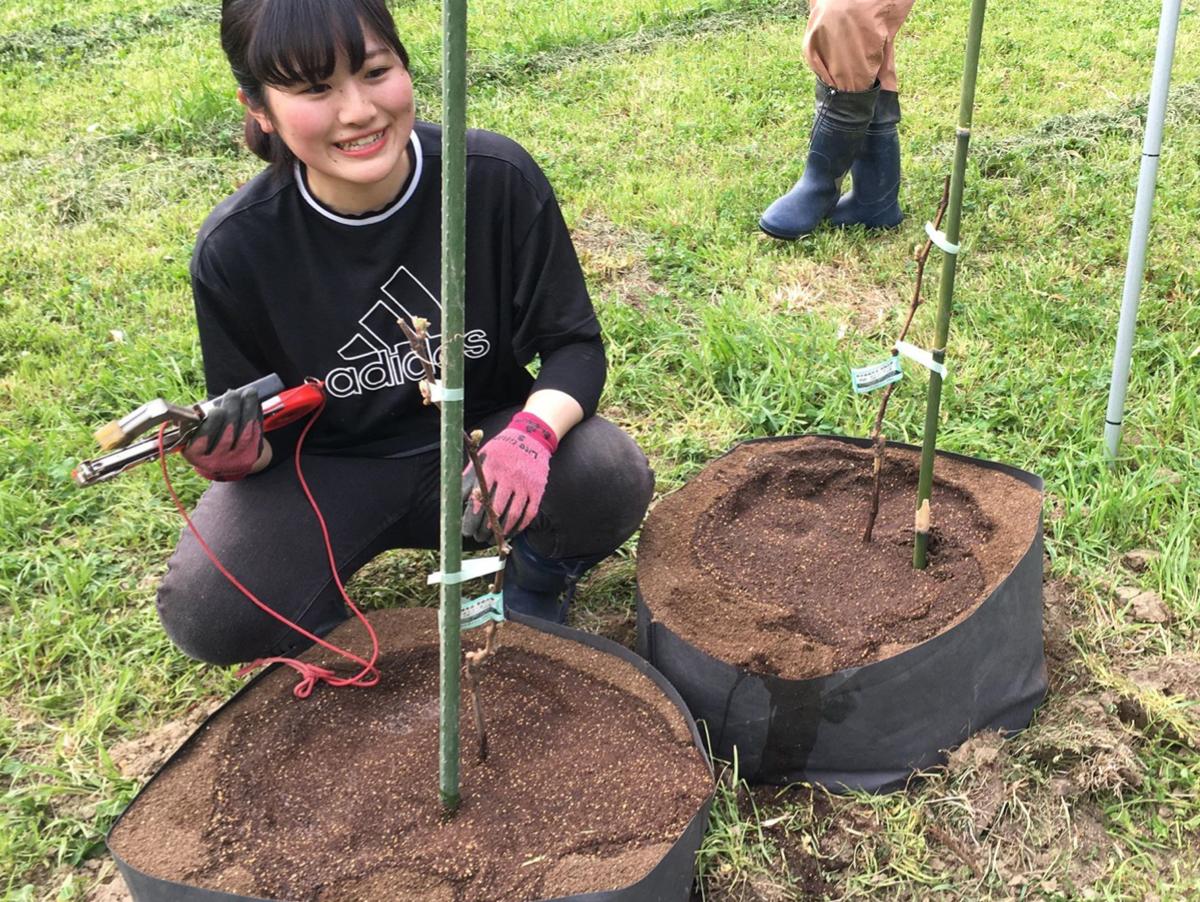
[418,339]
[948,243]
[878,439]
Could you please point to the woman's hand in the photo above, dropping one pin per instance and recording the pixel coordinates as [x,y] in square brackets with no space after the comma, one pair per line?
[229,443]
[516,465]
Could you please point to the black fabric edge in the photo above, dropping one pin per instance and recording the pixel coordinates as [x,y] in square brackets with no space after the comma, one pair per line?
[649,631]
[671,878]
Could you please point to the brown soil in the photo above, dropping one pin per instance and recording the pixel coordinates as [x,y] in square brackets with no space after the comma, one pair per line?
[759,560]
[591,775]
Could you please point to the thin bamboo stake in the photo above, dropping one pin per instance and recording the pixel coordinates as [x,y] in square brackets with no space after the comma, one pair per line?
[922,523]
[454,217]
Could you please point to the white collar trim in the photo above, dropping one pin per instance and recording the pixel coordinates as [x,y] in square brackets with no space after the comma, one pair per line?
[418,165]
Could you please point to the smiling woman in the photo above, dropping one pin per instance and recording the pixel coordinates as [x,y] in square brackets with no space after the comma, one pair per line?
[306,270]
[338,99]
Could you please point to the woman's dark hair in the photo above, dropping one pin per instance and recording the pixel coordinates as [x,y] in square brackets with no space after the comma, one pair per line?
[287,42]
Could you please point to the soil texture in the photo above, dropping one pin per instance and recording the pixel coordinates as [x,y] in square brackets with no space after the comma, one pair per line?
[759,560]
[591,775]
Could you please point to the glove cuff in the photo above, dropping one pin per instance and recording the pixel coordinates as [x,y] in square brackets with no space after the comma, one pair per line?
[536,428]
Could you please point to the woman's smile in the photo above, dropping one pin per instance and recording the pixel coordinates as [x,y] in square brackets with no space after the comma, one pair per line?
[363,146]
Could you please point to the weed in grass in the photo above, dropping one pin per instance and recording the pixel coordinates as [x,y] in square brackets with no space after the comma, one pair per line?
[59,42]
[1073,136]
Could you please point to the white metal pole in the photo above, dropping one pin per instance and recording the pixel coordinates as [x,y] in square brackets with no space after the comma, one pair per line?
[1140,232]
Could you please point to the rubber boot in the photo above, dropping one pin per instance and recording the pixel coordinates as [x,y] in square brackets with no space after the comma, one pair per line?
[839,127]
[539,586]
[873,198]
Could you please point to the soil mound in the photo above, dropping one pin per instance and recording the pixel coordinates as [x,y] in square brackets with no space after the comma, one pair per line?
[759,560]
[591,776]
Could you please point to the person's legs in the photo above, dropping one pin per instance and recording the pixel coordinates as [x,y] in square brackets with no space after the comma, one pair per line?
[873,200]
[839,126]
[599,487]
[264,532]
[849,45]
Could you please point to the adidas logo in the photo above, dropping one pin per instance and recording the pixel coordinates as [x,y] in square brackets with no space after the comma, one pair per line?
[379,355]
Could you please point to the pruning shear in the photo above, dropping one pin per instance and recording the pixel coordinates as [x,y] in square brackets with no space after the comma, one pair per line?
[279,407]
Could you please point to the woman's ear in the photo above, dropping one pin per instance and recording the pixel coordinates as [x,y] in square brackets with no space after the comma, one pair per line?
[259,113]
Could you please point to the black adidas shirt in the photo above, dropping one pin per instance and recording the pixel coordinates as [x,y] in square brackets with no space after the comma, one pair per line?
[283,284]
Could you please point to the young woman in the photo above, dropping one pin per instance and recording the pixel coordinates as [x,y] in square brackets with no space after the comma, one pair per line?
[304,272]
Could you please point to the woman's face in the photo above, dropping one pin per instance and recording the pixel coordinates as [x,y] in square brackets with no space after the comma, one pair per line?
[350,130]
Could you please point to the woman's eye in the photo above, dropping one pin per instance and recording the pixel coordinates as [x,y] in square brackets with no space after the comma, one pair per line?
[378,72]
[315,89]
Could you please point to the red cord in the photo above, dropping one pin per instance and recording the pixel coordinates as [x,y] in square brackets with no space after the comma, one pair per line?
[311,673]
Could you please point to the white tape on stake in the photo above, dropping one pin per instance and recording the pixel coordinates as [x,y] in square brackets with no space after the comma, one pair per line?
[921,356]
[437,393]
[939,238]
[472,568]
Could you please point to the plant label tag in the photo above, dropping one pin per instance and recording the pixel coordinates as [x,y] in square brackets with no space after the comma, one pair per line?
[876,375]
[478,611]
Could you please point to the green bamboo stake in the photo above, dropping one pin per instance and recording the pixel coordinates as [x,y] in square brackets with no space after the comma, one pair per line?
[454,218]
[946,288]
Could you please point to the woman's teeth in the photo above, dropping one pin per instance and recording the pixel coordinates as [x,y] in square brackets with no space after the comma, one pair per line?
[360,142]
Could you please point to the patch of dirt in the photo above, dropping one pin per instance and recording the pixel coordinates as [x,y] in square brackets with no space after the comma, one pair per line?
[1047,837]
[602,604]
[141,756]
[836,286]
[785,818]
[1081,738]
[1165,697]
[591,773]
[1061,615]
[979,765]
[988,827]
[759,560]
[614,261]
[110,885]
[619,626]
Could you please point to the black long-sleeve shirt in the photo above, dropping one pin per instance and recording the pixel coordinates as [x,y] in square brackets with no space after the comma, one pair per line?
[284,284]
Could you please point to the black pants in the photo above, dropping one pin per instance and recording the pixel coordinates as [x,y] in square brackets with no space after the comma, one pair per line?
[264,532]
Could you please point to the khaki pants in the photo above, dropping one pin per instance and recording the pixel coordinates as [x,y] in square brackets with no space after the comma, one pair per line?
[850,43]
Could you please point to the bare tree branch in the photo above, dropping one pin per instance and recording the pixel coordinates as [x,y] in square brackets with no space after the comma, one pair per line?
[878,439]
[418,338]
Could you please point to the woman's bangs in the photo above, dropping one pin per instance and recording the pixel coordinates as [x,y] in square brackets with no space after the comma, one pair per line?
[299,42]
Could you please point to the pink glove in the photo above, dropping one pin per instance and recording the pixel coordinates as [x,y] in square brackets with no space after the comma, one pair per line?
[516,464]
[229,441]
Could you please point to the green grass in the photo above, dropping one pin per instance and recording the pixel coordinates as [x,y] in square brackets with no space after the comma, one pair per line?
[668,124]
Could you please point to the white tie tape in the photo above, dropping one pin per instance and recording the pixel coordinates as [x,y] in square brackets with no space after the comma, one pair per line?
[939,238]
[472,568]
[437,393]
[921,356]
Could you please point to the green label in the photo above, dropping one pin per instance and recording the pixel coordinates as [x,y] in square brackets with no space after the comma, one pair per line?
[876,375]
[478,611]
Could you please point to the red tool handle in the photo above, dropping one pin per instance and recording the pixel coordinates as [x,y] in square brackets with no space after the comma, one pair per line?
[292,404]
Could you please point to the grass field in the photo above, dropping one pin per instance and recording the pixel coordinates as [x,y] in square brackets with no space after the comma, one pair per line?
[665,127]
